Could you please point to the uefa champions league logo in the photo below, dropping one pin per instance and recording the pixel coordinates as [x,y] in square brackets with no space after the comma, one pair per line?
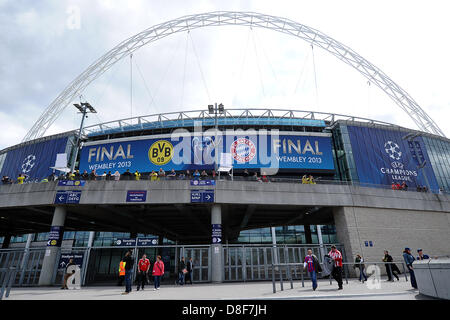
[28,163]
[393,150]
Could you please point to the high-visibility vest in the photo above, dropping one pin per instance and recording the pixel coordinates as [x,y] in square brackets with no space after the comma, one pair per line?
[122,268]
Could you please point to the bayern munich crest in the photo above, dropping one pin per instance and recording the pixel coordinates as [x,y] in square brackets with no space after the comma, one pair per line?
[243,150]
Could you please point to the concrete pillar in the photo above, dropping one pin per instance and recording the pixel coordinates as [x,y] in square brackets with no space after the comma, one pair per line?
[51,253]
[274,245]
[6,241]
[216,248]
[308,236]
[321,248]
[91,239]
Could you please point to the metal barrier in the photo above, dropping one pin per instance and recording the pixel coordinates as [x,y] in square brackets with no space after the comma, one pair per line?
[288,268]
[7,278]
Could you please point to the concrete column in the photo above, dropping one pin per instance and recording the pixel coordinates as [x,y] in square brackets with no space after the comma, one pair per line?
[321,248]
[51,253]
[274,245]
[308,236]
[216,248]
[6,241]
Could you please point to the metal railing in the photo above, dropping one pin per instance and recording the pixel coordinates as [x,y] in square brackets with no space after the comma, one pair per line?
[277,269]
[7,277]
[260,179]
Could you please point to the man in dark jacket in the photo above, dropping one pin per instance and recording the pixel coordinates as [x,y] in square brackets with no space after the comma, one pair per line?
[129,261]
[181,270]
[391,268]
[189,268]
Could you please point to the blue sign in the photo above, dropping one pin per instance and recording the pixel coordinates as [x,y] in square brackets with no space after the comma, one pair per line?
[141,242]
[55,236]
[145,242]
[202,196]
[371,243]
[384,157]
[64,260]
[198,152]
[136,196]
[71,183]
[366,243]
[67,197]
[216,233]
[203,182]
[33,160]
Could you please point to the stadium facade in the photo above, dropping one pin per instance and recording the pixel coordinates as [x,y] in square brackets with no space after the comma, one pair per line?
[347,156]
[234,224]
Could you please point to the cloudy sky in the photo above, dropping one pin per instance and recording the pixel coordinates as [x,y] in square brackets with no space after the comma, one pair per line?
[46,44]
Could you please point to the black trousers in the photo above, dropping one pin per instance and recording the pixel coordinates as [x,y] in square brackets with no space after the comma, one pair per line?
[337,275]
[141,279]
[390,270]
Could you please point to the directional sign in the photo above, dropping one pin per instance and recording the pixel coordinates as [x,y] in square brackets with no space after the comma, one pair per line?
[141,242]
[136,196]
[200,196]
[203,182]
[125,242]
[216,233]
[67,197]
[64,260]
[71,183]
[55,236]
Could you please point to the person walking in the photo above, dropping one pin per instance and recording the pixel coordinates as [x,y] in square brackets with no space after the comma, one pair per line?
[129,261]
[66,274]
[181,271]
[121,273]
[189,268]
[158,272]
[313,265]
[336,255]
[391,268]
[143,267]
[409,259]
[359,263]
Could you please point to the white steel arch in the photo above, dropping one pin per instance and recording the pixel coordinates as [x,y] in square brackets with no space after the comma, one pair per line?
[221,18]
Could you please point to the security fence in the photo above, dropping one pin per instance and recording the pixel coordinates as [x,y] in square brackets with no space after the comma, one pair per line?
[100,265]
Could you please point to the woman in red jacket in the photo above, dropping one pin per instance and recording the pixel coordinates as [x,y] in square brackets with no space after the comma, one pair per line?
[158,271]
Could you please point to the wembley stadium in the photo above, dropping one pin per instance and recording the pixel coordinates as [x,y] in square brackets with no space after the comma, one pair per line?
[235,189]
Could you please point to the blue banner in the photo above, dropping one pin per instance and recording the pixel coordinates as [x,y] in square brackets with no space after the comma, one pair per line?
[384,157]
[193,152]
[33,160]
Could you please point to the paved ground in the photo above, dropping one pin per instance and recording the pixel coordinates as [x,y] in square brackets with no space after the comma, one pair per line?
[398,290]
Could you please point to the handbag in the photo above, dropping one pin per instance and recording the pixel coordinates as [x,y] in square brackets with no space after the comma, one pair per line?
[184,271]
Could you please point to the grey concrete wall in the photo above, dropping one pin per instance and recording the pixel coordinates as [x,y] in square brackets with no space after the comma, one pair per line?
[392,230]
[433,277]
[170,192]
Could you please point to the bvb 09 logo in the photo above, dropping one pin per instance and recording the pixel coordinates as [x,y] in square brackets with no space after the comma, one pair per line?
[161,152]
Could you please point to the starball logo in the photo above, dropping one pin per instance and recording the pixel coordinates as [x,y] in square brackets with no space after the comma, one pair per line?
[397,171]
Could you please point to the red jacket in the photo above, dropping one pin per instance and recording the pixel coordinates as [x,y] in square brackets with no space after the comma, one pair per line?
[158,268]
